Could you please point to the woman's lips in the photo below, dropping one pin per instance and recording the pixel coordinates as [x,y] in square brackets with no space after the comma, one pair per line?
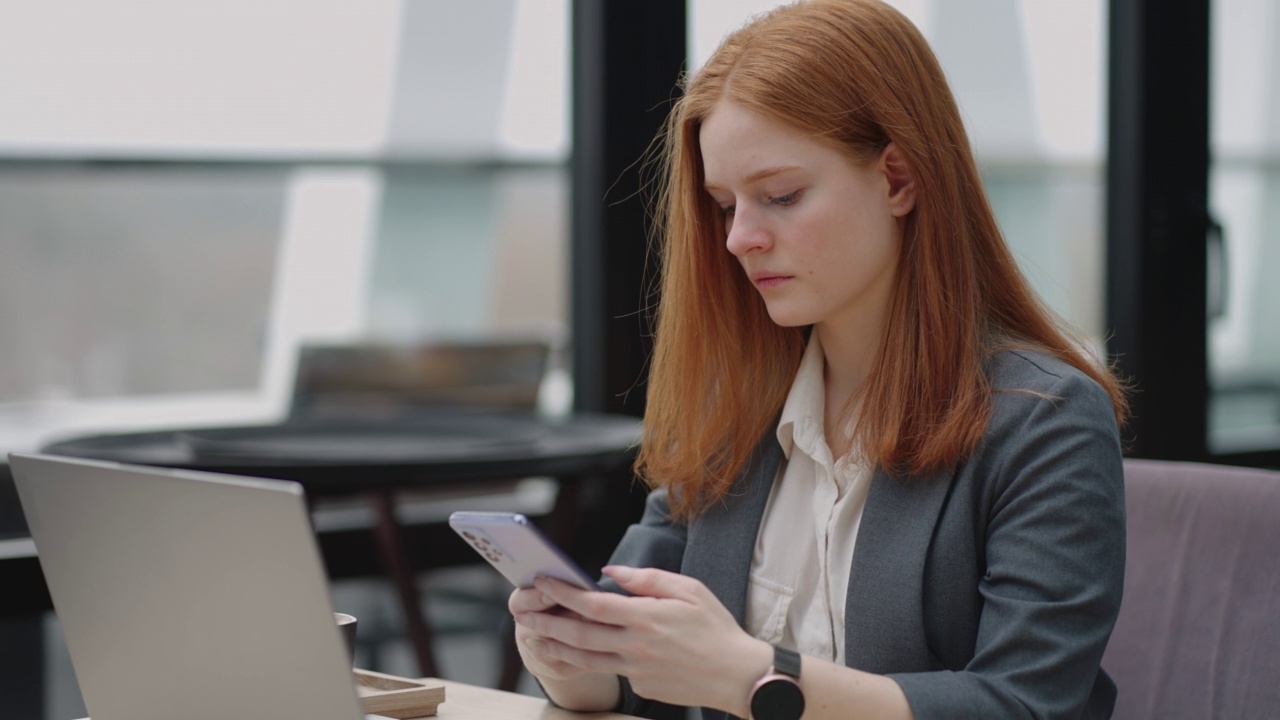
[767,281]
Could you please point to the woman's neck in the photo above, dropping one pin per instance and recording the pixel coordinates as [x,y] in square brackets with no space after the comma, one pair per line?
[847,357]
[847,361]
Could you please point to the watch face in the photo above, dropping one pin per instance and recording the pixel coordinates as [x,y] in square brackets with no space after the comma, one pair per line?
[777,699]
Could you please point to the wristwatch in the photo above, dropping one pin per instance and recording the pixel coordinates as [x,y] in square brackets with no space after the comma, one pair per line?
[777,695]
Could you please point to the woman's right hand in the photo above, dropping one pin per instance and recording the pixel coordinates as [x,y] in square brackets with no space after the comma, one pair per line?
[530,644]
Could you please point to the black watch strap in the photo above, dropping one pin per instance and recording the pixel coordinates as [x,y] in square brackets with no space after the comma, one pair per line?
[786,661]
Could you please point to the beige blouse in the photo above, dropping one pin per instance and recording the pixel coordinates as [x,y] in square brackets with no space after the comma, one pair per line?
[803,552]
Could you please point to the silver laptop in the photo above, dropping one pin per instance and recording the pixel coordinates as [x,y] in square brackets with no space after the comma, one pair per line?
[186,594]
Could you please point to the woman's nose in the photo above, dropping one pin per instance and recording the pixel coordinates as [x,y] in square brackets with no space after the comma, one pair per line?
[747,235]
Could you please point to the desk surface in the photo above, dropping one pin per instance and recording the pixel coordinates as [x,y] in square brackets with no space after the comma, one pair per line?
[469,702]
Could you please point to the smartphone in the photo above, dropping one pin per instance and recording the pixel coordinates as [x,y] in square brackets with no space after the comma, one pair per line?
[517,548]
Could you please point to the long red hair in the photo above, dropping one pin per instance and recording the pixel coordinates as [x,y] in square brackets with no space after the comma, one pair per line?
[858,75]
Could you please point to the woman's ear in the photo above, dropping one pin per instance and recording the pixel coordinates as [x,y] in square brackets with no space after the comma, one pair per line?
[902,180]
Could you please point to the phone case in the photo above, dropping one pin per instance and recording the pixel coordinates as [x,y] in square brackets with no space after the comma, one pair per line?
[517,548]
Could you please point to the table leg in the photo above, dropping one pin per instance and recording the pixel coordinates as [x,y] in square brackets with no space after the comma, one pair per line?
[395,561]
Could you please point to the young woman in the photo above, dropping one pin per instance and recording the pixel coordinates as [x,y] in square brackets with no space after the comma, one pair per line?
[887,483]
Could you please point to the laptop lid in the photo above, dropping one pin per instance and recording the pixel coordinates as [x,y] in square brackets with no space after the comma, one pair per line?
[186,594]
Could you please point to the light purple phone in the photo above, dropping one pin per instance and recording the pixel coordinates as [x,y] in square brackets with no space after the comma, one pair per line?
[517,548]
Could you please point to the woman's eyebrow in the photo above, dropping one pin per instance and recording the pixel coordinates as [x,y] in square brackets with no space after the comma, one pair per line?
[758,175]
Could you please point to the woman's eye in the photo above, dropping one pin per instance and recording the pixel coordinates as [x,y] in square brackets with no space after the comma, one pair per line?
[788,199]
[727,210]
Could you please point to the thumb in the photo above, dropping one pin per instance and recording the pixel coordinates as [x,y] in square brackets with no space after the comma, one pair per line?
[651,582]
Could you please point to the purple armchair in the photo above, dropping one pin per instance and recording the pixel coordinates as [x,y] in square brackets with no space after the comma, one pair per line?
[1199,629]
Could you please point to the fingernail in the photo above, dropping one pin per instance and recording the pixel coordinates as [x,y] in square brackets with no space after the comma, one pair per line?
[547,600]
[621,573]
[524,619]
[534,643]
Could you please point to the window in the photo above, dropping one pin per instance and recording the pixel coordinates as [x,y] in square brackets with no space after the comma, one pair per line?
[190,189]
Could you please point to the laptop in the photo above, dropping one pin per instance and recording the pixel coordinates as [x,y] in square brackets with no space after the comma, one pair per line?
[186,594]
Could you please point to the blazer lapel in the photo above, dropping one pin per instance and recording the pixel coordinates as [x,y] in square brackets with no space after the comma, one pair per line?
[721,541]
[883,606]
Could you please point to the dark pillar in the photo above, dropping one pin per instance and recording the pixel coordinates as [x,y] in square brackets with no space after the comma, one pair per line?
[1157,219]
[627,58]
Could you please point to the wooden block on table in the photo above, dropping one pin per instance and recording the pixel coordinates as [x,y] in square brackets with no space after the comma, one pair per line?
[397,697]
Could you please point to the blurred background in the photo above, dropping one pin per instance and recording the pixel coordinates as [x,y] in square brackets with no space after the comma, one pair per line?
[190,191]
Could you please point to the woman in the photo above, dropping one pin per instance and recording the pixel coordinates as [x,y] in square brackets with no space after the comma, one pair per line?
[887,484]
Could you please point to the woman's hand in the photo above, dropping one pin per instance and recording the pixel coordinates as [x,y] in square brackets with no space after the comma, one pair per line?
[530,644]
[673,640]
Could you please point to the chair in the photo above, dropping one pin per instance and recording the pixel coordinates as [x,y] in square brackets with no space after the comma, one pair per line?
[376,381]
[1198,636]
[363,383]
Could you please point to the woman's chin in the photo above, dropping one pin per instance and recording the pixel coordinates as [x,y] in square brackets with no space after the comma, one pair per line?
[784,318]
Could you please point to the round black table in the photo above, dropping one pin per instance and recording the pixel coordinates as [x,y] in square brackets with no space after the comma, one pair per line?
[373,457]
[412,450]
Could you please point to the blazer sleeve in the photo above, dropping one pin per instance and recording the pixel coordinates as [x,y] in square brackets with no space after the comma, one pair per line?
[1051,508]
[655,542]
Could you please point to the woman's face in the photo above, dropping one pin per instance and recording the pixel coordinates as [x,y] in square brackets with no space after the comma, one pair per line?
[815,233]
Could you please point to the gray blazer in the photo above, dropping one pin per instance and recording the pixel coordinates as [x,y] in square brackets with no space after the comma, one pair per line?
[987,592]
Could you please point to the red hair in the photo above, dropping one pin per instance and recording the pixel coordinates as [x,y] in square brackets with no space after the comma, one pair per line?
[858,75]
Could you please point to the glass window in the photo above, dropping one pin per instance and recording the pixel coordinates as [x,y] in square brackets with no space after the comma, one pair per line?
[95,302]
[189,190]
[1244,188]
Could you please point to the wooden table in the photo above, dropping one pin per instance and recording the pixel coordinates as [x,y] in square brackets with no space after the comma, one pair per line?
[469,702]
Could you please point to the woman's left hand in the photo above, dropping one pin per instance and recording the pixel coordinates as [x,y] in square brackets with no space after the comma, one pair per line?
[673,639]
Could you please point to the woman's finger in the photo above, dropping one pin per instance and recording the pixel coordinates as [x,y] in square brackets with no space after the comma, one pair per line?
[563,657]
[601,607]
[571,630]
[541,661]
[651,582]
[529,600]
